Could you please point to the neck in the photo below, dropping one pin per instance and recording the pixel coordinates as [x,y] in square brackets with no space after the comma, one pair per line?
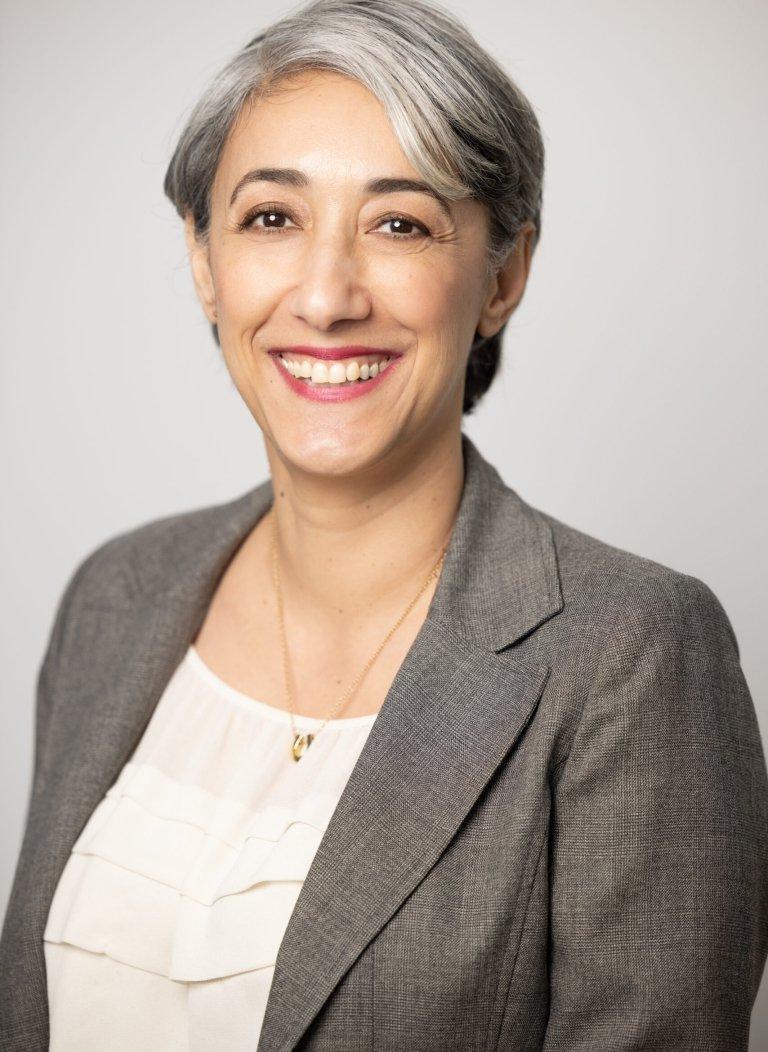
[354,552]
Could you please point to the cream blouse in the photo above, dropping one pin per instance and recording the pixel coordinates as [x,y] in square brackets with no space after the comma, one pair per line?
[166,922]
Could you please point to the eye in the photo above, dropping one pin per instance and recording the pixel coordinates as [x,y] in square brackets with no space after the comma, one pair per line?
[273,221]
[400,222]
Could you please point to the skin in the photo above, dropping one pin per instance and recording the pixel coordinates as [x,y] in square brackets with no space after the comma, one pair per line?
[366,490]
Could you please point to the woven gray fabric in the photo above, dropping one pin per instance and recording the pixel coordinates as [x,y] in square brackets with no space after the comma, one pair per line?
[555,837]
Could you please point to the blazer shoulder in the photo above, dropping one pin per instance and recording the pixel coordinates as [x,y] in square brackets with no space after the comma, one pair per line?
[616,587]
[119,567]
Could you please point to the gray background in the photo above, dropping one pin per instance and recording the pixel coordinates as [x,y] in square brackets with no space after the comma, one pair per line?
[642,333]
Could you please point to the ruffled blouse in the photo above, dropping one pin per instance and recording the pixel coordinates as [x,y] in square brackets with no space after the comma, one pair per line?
[165,924]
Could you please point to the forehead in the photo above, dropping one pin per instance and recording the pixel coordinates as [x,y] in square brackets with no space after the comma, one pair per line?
[322,122]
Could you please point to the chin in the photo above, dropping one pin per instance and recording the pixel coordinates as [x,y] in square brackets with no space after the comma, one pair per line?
[332,452]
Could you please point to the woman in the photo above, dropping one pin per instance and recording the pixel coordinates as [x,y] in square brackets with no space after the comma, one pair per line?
[377,755]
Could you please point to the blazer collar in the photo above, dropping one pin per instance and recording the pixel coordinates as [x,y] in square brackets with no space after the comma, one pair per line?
[455,708]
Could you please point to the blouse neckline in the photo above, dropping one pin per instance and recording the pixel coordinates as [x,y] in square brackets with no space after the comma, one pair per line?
[261,707]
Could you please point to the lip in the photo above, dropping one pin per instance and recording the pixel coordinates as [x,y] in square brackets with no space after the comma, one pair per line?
[333,392]
[332,354]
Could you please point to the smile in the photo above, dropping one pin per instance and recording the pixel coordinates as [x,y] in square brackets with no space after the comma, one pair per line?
[333,381]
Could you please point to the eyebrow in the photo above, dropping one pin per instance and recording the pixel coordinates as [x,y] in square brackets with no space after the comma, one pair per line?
[383,185]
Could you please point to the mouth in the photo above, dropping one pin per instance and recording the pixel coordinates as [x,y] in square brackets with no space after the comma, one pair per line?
[334,374]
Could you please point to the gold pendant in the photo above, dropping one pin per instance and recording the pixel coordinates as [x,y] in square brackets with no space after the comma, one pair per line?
[300,745]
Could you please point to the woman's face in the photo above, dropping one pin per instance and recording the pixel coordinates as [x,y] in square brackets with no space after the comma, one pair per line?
[312,255]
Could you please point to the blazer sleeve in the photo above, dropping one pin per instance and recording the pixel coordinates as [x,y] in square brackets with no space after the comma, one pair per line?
[46,673]
[659,840]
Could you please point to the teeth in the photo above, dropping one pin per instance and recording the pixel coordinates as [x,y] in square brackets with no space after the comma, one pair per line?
[320,372]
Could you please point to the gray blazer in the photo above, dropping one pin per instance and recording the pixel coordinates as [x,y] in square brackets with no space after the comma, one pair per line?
[555,837]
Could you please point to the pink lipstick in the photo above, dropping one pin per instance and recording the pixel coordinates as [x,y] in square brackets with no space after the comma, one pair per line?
[334,392]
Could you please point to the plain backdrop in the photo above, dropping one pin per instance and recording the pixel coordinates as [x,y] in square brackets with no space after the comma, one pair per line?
[642,333]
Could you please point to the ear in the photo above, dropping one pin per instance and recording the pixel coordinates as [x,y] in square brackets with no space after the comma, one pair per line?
[201,269]
[508,284]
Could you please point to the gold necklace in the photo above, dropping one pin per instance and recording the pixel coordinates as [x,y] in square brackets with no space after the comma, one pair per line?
[301,742]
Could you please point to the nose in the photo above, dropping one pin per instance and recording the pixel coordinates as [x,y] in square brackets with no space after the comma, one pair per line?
[329,290]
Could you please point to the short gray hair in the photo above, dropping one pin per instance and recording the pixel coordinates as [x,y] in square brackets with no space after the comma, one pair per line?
[460,120]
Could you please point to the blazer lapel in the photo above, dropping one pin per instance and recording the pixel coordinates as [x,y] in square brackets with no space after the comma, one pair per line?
[456,706]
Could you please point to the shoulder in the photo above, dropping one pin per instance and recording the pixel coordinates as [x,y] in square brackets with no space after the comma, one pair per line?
[618,593]
[647,650]
[124,564]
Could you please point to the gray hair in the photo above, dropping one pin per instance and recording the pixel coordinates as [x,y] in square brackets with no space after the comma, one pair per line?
[460,120]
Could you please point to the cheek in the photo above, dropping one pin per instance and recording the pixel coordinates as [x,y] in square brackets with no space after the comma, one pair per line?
[435,303]
[245,287]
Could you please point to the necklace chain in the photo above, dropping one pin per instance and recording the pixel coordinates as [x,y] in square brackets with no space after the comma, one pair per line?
[302,741]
